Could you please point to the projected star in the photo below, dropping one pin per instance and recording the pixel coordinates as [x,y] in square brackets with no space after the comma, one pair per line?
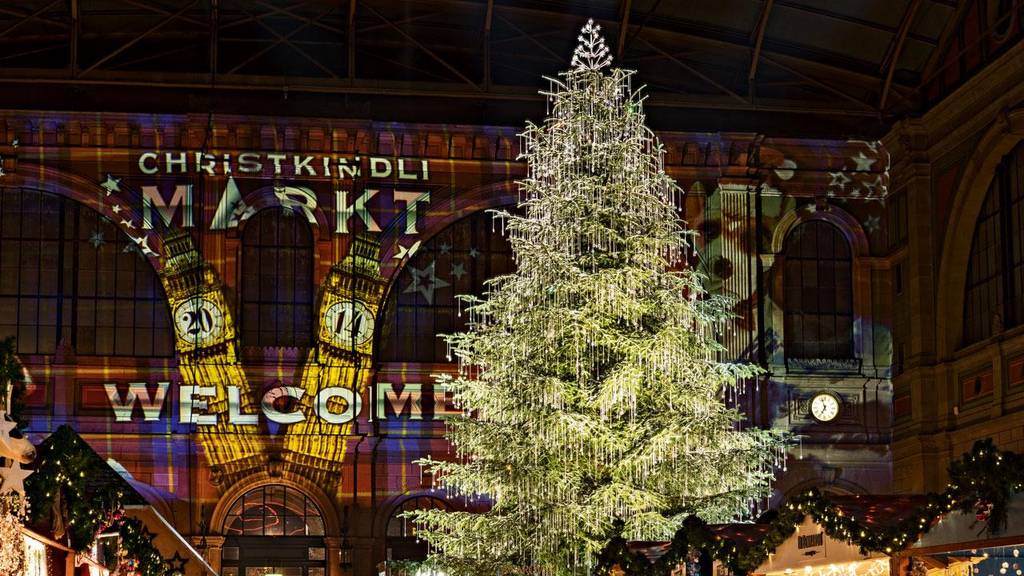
[97,239]
[132,249]
[839,180]
[871,223]
[425,281]
[14,479]
[111,185]
[242,212]
[128,223]
[473,252]
[406,251]
[458,270]
[143,242]
[116,209]
[863,162]
[869,187]
[176,565]
[444,248]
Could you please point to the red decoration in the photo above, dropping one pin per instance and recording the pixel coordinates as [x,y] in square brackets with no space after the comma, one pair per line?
[982,510]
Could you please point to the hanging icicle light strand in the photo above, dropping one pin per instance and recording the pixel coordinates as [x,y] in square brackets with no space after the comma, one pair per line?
[589,379]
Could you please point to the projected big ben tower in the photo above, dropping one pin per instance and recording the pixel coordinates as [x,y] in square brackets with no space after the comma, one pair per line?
[337,372]
[213,381]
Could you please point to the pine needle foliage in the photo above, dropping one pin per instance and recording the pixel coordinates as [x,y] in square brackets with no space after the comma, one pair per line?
[590,378]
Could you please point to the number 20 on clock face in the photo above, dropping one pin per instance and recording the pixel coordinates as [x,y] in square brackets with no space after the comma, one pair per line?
[199,322]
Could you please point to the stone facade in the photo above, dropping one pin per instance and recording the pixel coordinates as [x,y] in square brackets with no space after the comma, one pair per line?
[943,166]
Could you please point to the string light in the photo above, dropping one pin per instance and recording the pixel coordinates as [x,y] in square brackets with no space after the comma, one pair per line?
[602,407]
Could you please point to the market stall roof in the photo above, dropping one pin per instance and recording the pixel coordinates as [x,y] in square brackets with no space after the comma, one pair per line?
[171,543]
[960,530]
[810,549]
[742,534]
[101,476]
[879,512]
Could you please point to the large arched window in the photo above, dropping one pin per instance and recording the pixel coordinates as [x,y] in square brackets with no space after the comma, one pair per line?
[277,280]
[993,297]
[402,543]
[818,292]
[422,303]
[67,273]
[274,510]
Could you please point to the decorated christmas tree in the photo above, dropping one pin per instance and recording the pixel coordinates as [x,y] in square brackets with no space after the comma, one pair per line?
[590,379]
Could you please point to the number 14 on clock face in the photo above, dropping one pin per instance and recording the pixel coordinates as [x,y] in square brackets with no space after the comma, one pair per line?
[347,323]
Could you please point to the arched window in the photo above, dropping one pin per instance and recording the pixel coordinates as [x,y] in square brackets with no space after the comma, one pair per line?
[277,280]
[274,511]
[422,303]
[66,272]
[993,297]
[818,292]
[402,542]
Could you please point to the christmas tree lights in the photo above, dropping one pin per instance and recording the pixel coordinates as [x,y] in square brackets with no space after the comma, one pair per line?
[590,379]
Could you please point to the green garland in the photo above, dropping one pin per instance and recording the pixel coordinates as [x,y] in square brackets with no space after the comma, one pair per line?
[75,508]
[10,371]
[137,542]
[982,481]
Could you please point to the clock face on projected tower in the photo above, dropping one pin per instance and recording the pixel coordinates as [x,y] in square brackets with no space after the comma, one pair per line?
[348,323]
[824,407]
[199,321]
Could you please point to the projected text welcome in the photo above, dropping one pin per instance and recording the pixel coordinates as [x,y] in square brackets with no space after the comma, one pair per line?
[332,405]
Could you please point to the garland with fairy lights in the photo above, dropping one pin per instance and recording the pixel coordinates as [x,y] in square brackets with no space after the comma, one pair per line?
[11,374]
[981,482]
[78,510]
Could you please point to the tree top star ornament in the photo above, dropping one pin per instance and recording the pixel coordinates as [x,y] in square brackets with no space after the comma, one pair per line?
[592,379]
[591,53]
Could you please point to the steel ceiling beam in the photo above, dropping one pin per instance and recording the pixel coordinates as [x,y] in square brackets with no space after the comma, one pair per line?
[706,40]
[809,9]
[948,33]
[758,40]
[164,12]
[488,19]
[246,83]
[532,38]
[350,39]
[214,37]
[694,71]
[291,13]
[623,28]
[819,84]
[983,37]
[248,17]
[139,38]
[428,51]
[281,39]
[286,40]
[75,32]
[892,59]
[29,17]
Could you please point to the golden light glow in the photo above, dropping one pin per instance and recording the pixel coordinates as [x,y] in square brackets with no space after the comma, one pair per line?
[209,358]
[314,446]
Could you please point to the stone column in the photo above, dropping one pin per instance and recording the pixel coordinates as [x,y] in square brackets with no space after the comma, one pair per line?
[333,558]
[212,552]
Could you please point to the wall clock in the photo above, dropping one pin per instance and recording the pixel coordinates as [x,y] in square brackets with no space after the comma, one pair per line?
[825,407]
